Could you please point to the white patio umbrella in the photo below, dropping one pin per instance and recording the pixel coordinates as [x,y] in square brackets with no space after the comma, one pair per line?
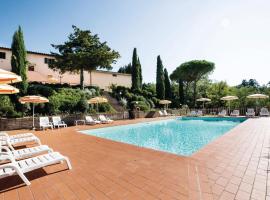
[97,100]
[203,100]
[33,99]
[7,77]
[165,102]
[229,99]
[257,96]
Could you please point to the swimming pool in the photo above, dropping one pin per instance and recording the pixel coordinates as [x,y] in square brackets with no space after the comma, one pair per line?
[182,136]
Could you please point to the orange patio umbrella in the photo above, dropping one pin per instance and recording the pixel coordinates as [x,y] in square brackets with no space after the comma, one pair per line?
[7,77]
[8,89]
[97,100]
[33,99]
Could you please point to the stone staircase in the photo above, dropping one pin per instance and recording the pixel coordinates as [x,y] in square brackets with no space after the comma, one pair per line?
[114,103]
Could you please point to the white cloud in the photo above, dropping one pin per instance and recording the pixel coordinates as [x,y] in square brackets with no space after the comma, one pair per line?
[225,23]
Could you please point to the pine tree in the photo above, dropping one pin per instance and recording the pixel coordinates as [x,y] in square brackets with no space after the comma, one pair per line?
[160,86]
[140,72]
[135,75]
[181,91]
[168,89]
[18,59]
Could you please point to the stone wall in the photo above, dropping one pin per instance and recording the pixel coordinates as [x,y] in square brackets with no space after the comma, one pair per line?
[26,122]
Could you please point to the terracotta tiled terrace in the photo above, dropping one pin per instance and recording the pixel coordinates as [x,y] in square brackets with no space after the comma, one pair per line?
[234,166]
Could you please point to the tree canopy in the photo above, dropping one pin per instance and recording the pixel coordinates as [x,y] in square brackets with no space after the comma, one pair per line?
[127,69]
[83,51]
[192,72]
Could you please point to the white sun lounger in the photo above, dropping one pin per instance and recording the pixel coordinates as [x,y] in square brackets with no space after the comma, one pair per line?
[45,123]
[91,121]
[21,135]
[23,166]
[18,141]
[264,112]
[235,113]
[192,113]
[250,112]
[26,152]
[167,114]
[57,122]
[105,120]
[223,113]
[161,114]
[199,113]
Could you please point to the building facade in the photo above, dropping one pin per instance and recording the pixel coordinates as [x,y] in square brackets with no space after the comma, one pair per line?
[38,70]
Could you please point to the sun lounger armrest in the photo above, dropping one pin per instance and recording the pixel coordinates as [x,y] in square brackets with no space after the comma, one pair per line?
[6,156]
[6,149]
[3,134]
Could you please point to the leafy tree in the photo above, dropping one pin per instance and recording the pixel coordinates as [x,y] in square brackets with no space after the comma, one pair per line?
[18,59]
[216,91]
[250,83]
[160,85]
[125,69]
[83,52]
[195,70]
[183,82]
[168,89]
[181,91]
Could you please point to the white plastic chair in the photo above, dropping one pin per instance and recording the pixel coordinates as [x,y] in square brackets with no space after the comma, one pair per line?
[250,112]
[45,123]
[199,113]
[223,113]
[264,112]
[235,113]
[57,122]
[192,113]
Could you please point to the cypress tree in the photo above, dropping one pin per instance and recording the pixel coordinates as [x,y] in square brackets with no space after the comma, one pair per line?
[140,73]
[168,89]
[160,86]
[18,59]
[135,71]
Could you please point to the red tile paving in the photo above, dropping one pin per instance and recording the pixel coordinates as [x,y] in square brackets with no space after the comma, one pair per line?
[232,167]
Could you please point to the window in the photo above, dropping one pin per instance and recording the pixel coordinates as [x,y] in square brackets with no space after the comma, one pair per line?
[31,68]
[48,60]
[2,55]
[115,75]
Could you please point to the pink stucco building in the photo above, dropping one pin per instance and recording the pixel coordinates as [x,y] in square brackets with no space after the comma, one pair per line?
[38,70]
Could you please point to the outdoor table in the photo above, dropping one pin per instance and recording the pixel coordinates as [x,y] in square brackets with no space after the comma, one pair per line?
[80,121]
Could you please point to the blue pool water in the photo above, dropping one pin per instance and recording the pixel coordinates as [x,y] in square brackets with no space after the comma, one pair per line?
[182,136]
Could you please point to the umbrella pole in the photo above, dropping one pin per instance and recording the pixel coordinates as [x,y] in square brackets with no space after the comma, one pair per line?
[33,116]
[229,107]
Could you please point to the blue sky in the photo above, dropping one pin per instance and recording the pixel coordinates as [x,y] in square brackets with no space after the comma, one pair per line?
[235,34]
